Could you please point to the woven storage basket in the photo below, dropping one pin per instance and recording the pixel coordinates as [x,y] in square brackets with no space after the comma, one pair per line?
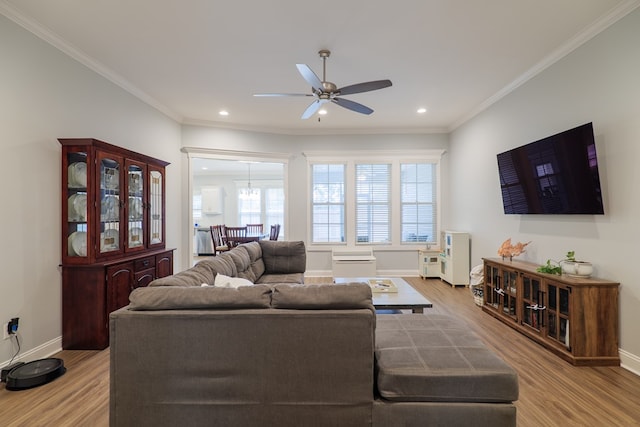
[478,294]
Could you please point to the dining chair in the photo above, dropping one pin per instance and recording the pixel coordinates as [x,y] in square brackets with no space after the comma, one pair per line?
[254,229]
[217,235]
[235,236]
[275,232]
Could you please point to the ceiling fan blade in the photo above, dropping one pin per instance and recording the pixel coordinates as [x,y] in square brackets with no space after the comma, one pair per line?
[282,94]
[311,109]
[364,87]
[353,106]
[310,77]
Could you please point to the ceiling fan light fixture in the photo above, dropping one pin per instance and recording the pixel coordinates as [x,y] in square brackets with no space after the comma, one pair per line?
[421,110]
[325,91]
[223,113]
[322,112]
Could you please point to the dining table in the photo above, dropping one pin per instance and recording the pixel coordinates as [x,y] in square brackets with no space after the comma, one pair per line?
[253,237]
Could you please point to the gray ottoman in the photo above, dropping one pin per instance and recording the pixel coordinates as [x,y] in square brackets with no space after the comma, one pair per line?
[435,362]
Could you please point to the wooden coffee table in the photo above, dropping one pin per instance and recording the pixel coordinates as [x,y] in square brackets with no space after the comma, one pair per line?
[406,298]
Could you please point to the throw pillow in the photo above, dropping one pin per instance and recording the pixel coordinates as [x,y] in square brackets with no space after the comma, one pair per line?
[223,281]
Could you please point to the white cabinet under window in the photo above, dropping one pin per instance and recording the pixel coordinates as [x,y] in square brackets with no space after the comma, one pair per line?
[211,200]
[454,259]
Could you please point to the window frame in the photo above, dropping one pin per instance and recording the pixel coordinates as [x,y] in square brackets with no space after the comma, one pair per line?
[312,204]
[395,158]
[432,238]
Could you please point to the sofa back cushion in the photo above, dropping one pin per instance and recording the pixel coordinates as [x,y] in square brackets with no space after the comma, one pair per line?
[321,297]
[242,260]
[283,257]
[194,276]
[222,264]
[180,297]
[256,264]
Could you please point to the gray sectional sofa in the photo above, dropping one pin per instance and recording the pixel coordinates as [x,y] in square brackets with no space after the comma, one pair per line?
[287,354]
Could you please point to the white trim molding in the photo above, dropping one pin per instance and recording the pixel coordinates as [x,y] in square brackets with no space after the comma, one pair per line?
[629,361]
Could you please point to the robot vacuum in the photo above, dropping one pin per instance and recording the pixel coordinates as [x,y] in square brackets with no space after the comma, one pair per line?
[34,374]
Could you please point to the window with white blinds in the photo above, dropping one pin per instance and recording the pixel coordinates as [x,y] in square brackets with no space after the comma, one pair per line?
[249,206]
[418,191]
[328,203]
[373,203]
[375,198]
[274,209]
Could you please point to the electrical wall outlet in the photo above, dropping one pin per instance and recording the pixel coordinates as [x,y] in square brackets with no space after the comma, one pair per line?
[10,328]
[13,326]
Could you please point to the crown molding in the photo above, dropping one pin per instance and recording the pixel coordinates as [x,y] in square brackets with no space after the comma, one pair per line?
[65,47]
[604,22]
[312,132]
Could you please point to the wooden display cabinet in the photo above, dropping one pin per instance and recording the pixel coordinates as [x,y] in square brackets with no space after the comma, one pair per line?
[576,318]
[113,234]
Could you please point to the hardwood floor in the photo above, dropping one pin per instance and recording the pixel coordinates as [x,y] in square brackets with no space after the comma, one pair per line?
[552,392]
[78,398]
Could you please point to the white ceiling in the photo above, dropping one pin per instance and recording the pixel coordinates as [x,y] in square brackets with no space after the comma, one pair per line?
[192,58]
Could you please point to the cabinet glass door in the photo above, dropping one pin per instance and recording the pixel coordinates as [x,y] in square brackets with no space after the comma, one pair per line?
[76,208]
[135,206]
[491,285]
[558,314]
[508,293]
[532,302]
[109,168]
[156,207]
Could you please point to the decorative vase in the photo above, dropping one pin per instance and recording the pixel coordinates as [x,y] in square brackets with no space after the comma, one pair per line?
[577,268]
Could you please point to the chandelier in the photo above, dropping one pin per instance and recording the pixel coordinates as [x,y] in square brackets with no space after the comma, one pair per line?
[249,192]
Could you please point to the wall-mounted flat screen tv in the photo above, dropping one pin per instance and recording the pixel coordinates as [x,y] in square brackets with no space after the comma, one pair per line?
[555,175]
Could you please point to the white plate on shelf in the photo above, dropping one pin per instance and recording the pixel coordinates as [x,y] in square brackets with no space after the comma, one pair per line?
[135,182]
[111,178]
[135,207]
[77,243]
[77,175]
[80,207]
[71,208]
[109,209]
[135,237]
[71,181]
[109,240]
[80,173]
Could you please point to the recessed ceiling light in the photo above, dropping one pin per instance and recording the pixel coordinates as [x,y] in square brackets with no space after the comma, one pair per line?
[422,110]
[322,112]
[223,113]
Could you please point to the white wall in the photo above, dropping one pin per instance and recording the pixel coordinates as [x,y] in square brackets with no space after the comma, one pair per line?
[46,95]
[318,259]
[599,83]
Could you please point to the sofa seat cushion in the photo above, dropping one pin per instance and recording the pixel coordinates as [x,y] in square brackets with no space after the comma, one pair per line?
[182,298]
[436,358]
[270,279]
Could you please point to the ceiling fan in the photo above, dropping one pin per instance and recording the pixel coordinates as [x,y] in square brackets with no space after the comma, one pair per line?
[324,91]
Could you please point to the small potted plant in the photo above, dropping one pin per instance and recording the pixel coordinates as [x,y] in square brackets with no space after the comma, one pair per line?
[550,268]
[572,267]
